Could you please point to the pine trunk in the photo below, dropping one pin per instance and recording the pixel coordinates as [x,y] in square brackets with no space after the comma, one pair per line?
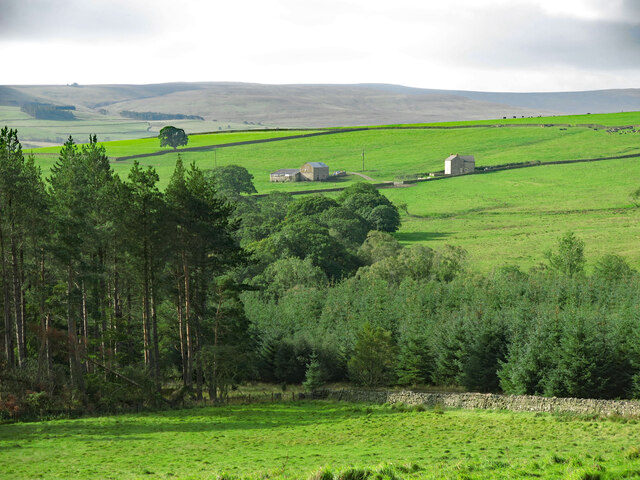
[188,322]
[17,303]
[183,347]
[74,362]
[6,303]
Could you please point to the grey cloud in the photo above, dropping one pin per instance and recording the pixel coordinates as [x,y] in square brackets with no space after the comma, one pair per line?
[631,11]
[71,19]
[527,37]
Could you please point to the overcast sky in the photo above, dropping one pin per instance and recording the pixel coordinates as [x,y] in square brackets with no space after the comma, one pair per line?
[490,45]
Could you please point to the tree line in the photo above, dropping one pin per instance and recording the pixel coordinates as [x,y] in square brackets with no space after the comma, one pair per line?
[117,295]
[113,289]
[46,111]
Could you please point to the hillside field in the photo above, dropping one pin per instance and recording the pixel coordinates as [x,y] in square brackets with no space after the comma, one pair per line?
[499,217]
[296,440]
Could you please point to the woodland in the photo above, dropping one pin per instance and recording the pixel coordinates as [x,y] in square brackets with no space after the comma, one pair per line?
[119,296]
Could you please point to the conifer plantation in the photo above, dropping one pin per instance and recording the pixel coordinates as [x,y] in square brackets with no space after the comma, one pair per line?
[117,296]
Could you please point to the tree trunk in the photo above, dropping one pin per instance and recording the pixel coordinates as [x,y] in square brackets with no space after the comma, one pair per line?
[44,351]
[145,307]
[17,302]
[183,347]
[74,362]
[188,322]
[6,303]
[85,328]
[156,349]
[117,308]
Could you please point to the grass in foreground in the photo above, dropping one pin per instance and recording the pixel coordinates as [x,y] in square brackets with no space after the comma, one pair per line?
[299,440]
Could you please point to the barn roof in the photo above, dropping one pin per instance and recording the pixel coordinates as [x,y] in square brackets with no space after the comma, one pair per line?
[468,158]
[286,171]
[318,164]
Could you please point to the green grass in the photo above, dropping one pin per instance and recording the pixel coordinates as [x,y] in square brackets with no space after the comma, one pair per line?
[140,146]
[108,127]
[607,119]
[502,217]
[387,152]
[301,439]
[512,217]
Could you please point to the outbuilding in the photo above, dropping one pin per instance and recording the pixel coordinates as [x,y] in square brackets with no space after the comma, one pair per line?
[285,175]
[315,171]
[459,164]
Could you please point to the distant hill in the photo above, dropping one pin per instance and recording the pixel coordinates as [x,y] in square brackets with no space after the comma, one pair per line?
[594,101]
[225,106]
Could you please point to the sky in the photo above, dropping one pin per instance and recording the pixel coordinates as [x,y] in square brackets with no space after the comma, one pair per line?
[483,45]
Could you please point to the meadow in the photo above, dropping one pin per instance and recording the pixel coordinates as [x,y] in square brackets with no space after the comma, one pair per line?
[388,153]
[499,217]
[109,127]
[514,216]
[300,440]
[606,119]
[147,145]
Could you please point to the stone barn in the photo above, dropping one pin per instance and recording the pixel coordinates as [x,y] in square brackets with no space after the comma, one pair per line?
[459,164]
[315,171]
[285,175]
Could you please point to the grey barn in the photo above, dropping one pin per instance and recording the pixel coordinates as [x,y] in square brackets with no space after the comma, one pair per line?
[315,171]
[311,171]
[459,164]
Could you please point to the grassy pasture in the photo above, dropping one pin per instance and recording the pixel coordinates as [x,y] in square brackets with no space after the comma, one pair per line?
[606,119]
[108,127]
[513,216]
[501,217]
[140,146]
[387,152]
[295,440]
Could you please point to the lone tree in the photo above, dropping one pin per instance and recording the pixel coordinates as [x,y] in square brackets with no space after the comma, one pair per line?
[172,137]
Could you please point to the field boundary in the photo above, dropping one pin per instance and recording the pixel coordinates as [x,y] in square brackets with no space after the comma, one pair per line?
[491,401]
[206,148]
[479,171]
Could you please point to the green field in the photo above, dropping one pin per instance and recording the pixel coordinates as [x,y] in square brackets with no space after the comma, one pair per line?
[606,119]
[143,146]
[110,127]
[500,217]
[388,153]
[512,217]
[296,440]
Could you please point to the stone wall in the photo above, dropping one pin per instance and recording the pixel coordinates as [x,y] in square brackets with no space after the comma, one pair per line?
[526,403]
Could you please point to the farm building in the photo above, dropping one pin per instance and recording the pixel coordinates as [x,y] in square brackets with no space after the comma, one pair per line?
[459,164]
[311,171]
[315,171]
[285,175]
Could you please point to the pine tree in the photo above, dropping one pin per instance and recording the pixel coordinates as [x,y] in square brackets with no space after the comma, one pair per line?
[314,377]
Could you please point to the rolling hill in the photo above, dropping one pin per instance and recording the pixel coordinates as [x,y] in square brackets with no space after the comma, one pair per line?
[500,217]
[230,106]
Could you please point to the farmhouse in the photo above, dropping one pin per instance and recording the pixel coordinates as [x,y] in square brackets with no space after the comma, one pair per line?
[459,164]
[311,171]
[285,175]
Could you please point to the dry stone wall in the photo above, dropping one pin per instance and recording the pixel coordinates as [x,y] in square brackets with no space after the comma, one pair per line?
[526,403]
